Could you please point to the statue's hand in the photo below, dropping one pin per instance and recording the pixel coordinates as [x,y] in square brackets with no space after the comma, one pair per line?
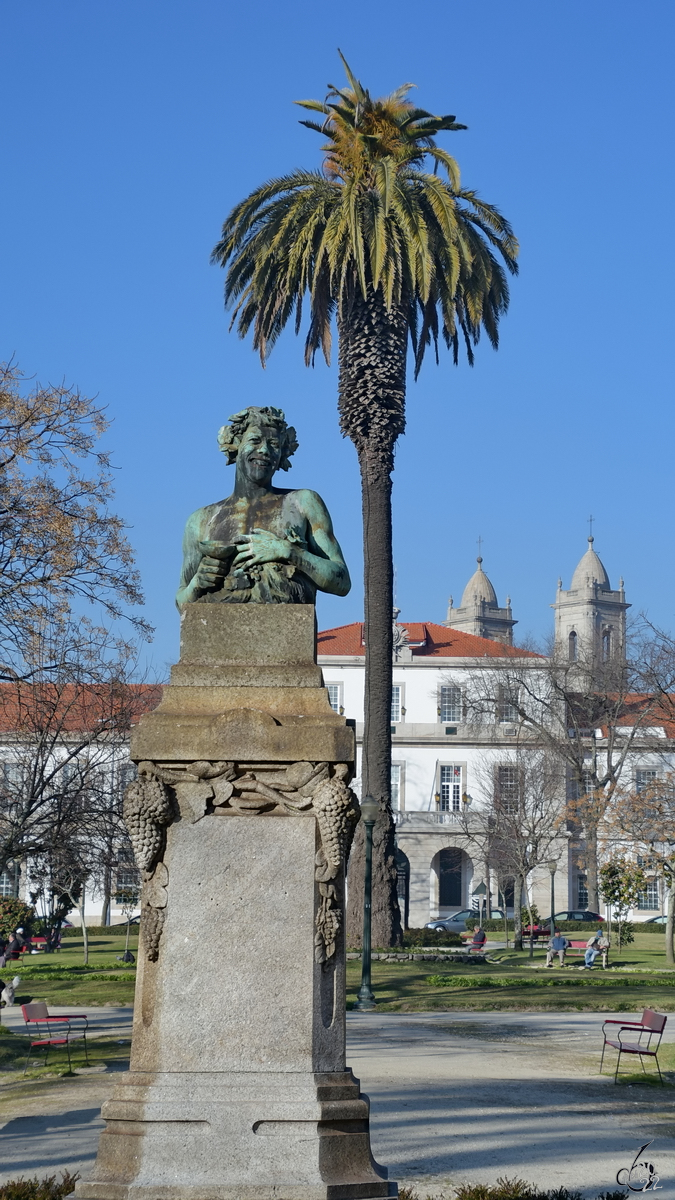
[260,546]
[210,573]
[223,551]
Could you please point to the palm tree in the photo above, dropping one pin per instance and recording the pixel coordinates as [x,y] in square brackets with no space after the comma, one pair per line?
[397,255]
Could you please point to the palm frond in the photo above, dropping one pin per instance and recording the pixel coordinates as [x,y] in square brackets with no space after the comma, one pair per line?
[374,219]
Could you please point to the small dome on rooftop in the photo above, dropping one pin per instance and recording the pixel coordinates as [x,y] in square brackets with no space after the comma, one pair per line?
[479,588]
[590,568]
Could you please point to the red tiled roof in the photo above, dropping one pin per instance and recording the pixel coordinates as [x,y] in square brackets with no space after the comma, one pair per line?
[28,707]
[426,640]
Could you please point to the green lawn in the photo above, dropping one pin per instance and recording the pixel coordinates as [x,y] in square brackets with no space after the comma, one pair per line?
[62,978]
[636,979]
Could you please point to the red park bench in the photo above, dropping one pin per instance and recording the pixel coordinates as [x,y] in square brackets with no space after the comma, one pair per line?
[641,1032]
[47,1032]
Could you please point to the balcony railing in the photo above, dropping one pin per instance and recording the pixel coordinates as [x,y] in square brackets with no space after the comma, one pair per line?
[427,818]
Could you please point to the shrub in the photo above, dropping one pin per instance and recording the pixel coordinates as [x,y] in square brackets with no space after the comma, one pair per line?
[14,913]
[563,926]
[100,930]
[512,1189]
[39,1189]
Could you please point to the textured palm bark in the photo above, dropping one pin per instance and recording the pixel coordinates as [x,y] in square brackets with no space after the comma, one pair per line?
[372,414]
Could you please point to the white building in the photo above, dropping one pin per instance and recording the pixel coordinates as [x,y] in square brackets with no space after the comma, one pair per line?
[440,756]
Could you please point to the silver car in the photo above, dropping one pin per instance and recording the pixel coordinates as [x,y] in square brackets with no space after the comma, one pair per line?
[457,923]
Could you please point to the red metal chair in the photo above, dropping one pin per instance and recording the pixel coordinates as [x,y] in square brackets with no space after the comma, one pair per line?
[37,1019]
[651,1026]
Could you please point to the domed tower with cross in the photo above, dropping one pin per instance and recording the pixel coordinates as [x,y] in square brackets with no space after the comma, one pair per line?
[590,618]
[479,612]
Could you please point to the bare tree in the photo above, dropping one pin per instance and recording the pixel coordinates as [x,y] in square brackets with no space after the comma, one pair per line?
[643,823]
[520,824]
[64,738]
[60,545]
[590,717]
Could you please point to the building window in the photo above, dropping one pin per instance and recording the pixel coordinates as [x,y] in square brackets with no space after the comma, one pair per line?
[606,645]
[335,696]
[450,705]
[450,877]
[650,897]
[11,776]
[645,779]
[507,706]
[451,789]
[508,789]
[9,885]
[572,643]
[579,789]
[397,786]
[128,773]
[582,891]
[128,879]
[396,702]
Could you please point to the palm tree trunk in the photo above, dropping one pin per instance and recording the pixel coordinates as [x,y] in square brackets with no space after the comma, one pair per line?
[373,347]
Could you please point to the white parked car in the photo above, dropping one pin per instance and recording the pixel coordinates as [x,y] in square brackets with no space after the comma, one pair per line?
[457,923]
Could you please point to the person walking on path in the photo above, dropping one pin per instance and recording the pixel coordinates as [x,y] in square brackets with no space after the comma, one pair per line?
[556,945]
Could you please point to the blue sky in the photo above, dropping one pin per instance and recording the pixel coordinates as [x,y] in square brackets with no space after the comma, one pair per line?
[130,129]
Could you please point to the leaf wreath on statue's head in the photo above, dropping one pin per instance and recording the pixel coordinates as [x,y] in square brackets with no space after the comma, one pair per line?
[230,436]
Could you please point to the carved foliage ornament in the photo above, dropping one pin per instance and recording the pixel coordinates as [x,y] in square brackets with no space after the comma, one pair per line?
[318,789]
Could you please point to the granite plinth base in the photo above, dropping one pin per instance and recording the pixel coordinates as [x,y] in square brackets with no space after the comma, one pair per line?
[241,821]
[235,1136]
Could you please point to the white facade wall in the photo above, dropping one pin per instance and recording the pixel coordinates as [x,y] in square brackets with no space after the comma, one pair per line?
[421,747]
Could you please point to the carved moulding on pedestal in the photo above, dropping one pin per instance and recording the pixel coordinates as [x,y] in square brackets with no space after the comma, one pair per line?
[205,788]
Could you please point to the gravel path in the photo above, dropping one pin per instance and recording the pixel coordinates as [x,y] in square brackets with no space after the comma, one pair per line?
[456,1097]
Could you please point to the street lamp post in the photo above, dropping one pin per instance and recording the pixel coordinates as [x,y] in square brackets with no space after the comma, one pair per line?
[552,868]
[366,999]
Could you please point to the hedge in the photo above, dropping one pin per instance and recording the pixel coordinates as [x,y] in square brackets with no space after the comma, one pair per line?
[99,930]
[571,926]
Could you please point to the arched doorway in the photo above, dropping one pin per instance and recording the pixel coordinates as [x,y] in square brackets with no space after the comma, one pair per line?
[451,873]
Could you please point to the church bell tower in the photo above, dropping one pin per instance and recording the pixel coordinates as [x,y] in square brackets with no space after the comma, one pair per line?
[590,618]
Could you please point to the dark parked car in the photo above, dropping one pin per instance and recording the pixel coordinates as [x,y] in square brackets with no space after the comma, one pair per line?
[577,914]
[457,923]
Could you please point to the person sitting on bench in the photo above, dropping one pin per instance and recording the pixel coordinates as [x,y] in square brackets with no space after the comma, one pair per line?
[594,946]
[478,940]
[556,945]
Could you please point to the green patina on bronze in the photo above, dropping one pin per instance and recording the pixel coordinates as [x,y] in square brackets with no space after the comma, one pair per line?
[263,544]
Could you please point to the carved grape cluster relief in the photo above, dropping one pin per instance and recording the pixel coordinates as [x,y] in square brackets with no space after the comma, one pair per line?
[302,788]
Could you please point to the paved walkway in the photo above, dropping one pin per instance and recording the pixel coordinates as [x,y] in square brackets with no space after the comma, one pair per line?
[456,1097]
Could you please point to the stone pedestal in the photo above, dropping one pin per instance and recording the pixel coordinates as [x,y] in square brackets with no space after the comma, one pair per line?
[241,820]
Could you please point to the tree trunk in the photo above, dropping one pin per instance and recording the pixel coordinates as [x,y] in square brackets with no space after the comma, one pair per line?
[107,897]
[372,345]
[591,858]
[85,932]
[670,957]
[517,914]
